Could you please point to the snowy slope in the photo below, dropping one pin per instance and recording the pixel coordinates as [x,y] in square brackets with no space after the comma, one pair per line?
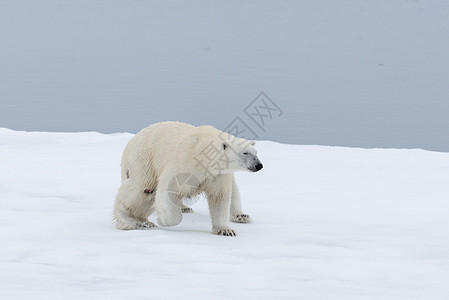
[329,223]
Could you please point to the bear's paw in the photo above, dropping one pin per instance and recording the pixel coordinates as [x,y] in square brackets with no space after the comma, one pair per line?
[241,218]
[146,225]
[187,210]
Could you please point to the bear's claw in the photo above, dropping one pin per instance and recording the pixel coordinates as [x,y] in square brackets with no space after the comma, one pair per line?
[225,232]
[241,218]
[187,210]
[146,225]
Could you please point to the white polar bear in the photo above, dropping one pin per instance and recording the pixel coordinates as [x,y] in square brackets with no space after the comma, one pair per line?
[169,161]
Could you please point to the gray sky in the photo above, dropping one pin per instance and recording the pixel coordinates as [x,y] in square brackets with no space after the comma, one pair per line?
[364,74]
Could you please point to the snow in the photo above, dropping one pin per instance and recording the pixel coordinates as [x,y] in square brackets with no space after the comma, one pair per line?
[329,223]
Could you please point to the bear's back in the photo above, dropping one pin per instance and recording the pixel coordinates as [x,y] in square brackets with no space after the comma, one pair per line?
[156,145]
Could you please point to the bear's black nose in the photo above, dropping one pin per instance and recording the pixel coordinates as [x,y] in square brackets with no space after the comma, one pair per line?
[258,167]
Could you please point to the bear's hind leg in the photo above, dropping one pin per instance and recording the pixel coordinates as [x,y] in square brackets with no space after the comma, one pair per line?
[132,208]
[167,202]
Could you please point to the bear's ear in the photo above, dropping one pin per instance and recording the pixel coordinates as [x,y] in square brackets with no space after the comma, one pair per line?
[252,143]
[224,146]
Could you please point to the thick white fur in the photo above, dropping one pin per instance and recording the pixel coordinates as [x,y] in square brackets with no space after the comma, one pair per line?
[158,153]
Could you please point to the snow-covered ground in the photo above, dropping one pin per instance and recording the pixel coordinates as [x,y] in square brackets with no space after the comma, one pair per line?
[329,223]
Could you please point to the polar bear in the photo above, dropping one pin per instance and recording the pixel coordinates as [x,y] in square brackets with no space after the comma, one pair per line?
[169,161]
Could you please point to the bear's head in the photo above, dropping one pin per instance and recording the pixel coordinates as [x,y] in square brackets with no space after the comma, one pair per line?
[218,152]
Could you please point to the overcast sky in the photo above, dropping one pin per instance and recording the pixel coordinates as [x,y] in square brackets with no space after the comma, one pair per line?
[368,74]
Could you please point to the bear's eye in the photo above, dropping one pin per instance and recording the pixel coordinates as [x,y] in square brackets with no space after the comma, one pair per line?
[225,146]
[245,153]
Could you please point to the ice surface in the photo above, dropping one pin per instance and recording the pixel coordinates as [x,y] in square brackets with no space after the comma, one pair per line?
[329,223]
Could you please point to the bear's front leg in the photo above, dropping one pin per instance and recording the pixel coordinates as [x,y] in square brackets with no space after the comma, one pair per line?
[218,192]
[237,215]
[167,207]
